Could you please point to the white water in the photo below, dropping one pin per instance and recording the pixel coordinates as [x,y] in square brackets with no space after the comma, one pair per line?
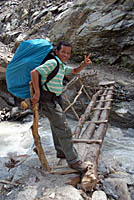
[120,146]
[17,138]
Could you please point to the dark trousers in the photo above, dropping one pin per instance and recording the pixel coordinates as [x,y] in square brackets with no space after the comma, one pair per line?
[61,132]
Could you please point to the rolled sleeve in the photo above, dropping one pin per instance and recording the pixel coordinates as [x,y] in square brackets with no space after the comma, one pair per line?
[68,69]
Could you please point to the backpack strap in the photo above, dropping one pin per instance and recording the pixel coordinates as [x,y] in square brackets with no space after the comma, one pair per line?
[53,73]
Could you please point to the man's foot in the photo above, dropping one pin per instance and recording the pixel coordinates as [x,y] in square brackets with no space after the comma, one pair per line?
[79,166]
[61,155]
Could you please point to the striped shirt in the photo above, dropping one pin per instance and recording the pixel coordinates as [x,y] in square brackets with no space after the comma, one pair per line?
[55,85]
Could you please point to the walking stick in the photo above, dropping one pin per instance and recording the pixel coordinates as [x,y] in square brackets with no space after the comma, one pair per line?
[36,136]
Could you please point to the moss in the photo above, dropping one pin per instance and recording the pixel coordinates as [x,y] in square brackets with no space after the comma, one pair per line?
[125,61]
[97,61]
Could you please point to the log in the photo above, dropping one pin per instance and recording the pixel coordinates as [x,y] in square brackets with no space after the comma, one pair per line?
[36,136]
[92,152]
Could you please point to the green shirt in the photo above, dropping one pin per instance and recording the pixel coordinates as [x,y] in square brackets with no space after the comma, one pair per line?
[55,85]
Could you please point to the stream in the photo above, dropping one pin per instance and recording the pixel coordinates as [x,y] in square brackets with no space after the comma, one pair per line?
[16,138]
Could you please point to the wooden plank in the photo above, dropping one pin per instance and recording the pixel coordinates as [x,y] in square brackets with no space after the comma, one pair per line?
[103,83]
[96,122]
[108,108]
[87,141]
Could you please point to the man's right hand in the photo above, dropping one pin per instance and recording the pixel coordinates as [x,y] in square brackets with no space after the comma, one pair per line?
[35,98]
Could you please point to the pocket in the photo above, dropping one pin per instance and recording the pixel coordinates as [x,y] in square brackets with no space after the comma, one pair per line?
[50,105]
[45,96]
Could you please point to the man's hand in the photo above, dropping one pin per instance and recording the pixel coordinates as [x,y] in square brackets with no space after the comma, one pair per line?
[87,60]
[83,64]
[35,98]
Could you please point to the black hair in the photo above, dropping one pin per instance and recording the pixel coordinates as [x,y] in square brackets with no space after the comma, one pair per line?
[63,43]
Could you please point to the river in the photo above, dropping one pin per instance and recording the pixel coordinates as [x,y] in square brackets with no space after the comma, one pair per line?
[16,138]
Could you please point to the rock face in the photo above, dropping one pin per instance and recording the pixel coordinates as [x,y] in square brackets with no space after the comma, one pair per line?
[5,57]
[103,28]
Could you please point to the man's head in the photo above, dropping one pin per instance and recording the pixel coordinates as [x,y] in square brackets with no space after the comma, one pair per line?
[63,51]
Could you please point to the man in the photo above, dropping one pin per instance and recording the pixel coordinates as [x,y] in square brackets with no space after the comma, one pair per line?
[51,107]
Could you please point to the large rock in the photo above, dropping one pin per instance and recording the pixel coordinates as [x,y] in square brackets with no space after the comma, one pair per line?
[103,28]
[5,57]
[116,188]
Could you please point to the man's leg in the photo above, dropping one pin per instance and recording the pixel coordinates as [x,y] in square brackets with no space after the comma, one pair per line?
[62,134]
[58,147]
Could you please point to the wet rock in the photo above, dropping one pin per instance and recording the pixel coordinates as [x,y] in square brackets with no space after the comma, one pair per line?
[33,182]
[122,115]
[99,195]
[18,114]
[116,188]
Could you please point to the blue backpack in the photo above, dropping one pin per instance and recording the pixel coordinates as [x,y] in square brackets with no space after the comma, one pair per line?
[29,55]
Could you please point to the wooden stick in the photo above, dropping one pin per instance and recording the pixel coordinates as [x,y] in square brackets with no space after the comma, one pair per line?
[64,172]
[86,91]
[71,82]
[106,94]
[76,115]
[108,108]
[105,100]
[87,141]
[75,99]
[36,136]
[8,183]
[97,122]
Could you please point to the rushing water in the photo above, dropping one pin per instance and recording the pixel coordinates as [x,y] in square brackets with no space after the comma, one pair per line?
[16,138]
[120,146]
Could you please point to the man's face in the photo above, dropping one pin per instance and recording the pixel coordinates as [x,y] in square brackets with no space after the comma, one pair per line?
[64,53]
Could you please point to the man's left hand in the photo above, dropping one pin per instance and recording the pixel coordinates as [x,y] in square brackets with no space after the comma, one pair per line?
[87,60]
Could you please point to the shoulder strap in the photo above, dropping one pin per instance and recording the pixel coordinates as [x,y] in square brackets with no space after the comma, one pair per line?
[53,73]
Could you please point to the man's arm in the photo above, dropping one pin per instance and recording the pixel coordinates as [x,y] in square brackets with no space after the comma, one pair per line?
[35,81]
[83,64]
